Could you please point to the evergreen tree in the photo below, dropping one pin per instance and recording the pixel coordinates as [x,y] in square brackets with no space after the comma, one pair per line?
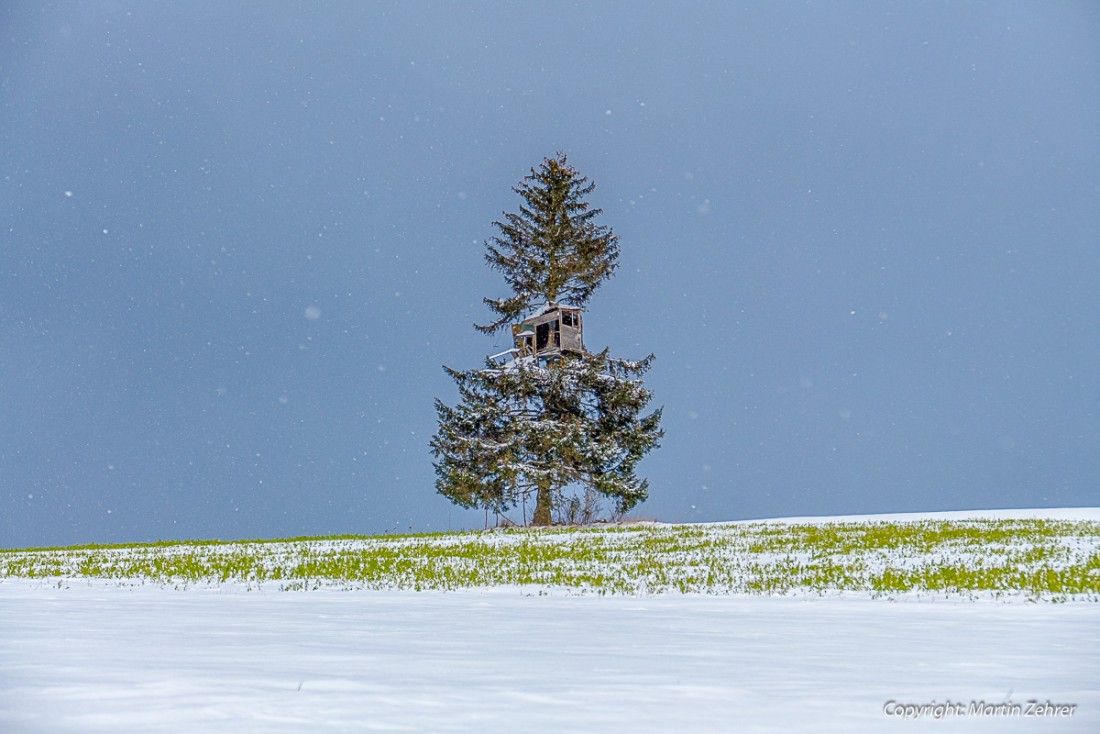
[551,251]
[531,428]
[526,429]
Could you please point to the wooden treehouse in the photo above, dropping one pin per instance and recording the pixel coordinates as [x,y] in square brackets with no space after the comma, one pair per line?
[545,336]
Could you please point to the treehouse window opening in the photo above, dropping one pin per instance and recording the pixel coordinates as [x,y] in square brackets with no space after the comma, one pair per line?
[547,334]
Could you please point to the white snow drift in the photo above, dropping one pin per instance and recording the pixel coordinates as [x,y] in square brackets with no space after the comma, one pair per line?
[96,657]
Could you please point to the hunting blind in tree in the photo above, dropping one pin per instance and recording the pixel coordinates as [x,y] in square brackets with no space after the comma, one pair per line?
[545,336]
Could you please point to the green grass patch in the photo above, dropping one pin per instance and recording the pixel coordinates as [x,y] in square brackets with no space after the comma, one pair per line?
[1037,559]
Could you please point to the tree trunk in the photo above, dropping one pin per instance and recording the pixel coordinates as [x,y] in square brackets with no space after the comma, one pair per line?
[542,506]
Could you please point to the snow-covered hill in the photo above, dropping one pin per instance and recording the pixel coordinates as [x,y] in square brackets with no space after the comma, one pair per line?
[1082,514]
[92,659]
[1014,554]
[91,654]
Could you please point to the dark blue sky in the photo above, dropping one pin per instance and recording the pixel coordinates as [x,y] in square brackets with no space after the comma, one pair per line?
[239,240]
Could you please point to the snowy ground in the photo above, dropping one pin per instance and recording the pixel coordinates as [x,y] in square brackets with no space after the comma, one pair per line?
[98,656]
[1045,513]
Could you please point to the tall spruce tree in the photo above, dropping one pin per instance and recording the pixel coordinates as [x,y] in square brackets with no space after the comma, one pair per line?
[551,251]
[531,428]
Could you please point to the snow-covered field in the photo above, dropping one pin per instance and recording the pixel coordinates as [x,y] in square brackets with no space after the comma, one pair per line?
[98,656]
[1047,513]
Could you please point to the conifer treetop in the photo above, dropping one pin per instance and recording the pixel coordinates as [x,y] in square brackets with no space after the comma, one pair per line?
[552,251]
